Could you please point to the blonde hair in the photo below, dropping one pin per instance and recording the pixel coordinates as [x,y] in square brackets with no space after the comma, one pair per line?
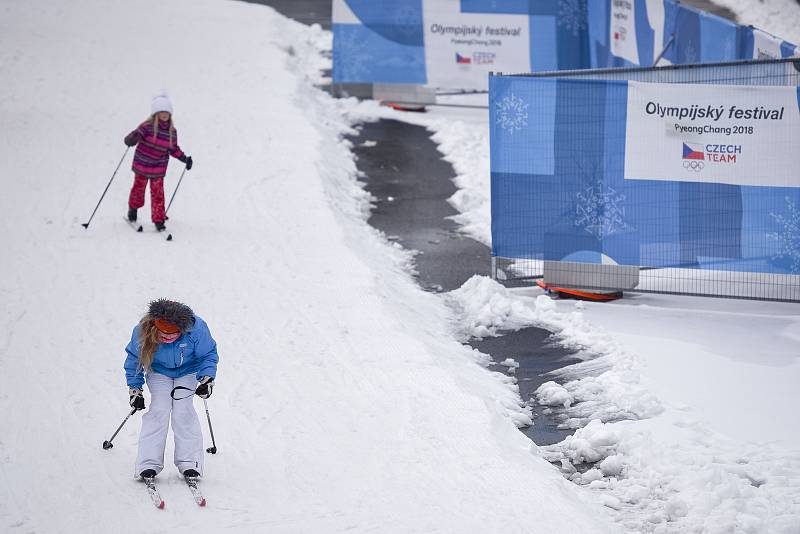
[154,118]
[148,341]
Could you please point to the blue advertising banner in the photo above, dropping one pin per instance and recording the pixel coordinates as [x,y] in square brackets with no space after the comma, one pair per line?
[456,43]
[595,171]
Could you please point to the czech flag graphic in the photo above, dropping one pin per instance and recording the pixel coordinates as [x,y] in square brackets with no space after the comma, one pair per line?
[691,153]
[462,59]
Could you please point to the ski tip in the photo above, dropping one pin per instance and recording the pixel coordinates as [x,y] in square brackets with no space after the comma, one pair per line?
[161,505]
[169,237]
[202,502]
[141,228]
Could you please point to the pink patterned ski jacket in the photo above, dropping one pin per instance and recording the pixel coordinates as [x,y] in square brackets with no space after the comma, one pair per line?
[152,155]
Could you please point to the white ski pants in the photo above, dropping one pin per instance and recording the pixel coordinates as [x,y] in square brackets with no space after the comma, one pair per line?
[185,425]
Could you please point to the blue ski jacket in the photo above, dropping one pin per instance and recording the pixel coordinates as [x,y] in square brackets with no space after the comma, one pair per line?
[194,352]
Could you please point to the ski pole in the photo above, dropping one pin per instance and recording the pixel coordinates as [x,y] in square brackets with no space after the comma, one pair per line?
[86,224]
[107,444]
[213,448]
[176,190]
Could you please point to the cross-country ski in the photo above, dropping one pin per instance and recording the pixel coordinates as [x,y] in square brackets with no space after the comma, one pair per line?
[192,483]
[152,491]
[135,226]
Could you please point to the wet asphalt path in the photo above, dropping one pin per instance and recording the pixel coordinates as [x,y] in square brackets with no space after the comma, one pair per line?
[537,355]
[405,173]
[411,183]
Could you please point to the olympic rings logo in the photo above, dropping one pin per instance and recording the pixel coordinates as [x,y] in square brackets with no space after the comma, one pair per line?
[693,165]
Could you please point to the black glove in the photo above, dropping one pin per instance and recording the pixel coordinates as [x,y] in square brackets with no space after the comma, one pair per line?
[188,162]
[132,138]
[204,387]
[136,398]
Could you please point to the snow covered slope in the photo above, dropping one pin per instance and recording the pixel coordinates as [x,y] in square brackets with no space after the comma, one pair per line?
[343,401]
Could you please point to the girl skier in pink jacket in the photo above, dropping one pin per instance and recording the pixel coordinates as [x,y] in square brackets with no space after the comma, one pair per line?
[156,140]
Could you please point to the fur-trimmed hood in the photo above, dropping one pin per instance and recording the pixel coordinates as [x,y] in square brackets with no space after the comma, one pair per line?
[173,312]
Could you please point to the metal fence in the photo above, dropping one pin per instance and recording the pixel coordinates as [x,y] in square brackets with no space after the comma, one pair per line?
[717,251]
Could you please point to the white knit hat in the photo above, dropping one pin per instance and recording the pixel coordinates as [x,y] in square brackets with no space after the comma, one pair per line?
[161,102]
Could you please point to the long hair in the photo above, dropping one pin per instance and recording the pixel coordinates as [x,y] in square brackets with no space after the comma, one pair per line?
[154,118]
[148,341]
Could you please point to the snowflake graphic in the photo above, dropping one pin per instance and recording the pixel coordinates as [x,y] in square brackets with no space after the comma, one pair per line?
[572,15]
[600,212]
[512,113]
[690,53]
[406,22]
[788,237]
[354,56]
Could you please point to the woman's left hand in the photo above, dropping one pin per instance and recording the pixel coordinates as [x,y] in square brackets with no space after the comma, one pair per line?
[204,387]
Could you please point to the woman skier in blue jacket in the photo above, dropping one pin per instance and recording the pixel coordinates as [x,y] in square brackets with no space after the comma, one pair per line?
[170,347]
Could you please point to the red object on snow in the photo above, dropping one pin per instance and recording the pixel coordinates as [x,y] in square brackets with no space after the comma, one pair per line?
[580,293]
[405,107]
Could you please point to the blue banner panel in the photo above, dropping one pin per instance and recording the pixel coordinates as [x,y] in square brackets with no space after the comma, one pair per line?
[367,55]
[559,187]
[399,22]
[455,43]
[517,7]
[384,44]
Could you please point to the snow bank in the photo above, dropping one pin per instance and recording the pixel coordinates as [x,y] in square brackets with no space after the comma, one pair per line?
[484,307]
[686,480]
[662,468]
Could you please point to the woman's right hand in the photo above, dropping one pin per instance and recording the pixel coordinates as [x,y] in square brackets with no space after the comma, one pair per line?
[136,398]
